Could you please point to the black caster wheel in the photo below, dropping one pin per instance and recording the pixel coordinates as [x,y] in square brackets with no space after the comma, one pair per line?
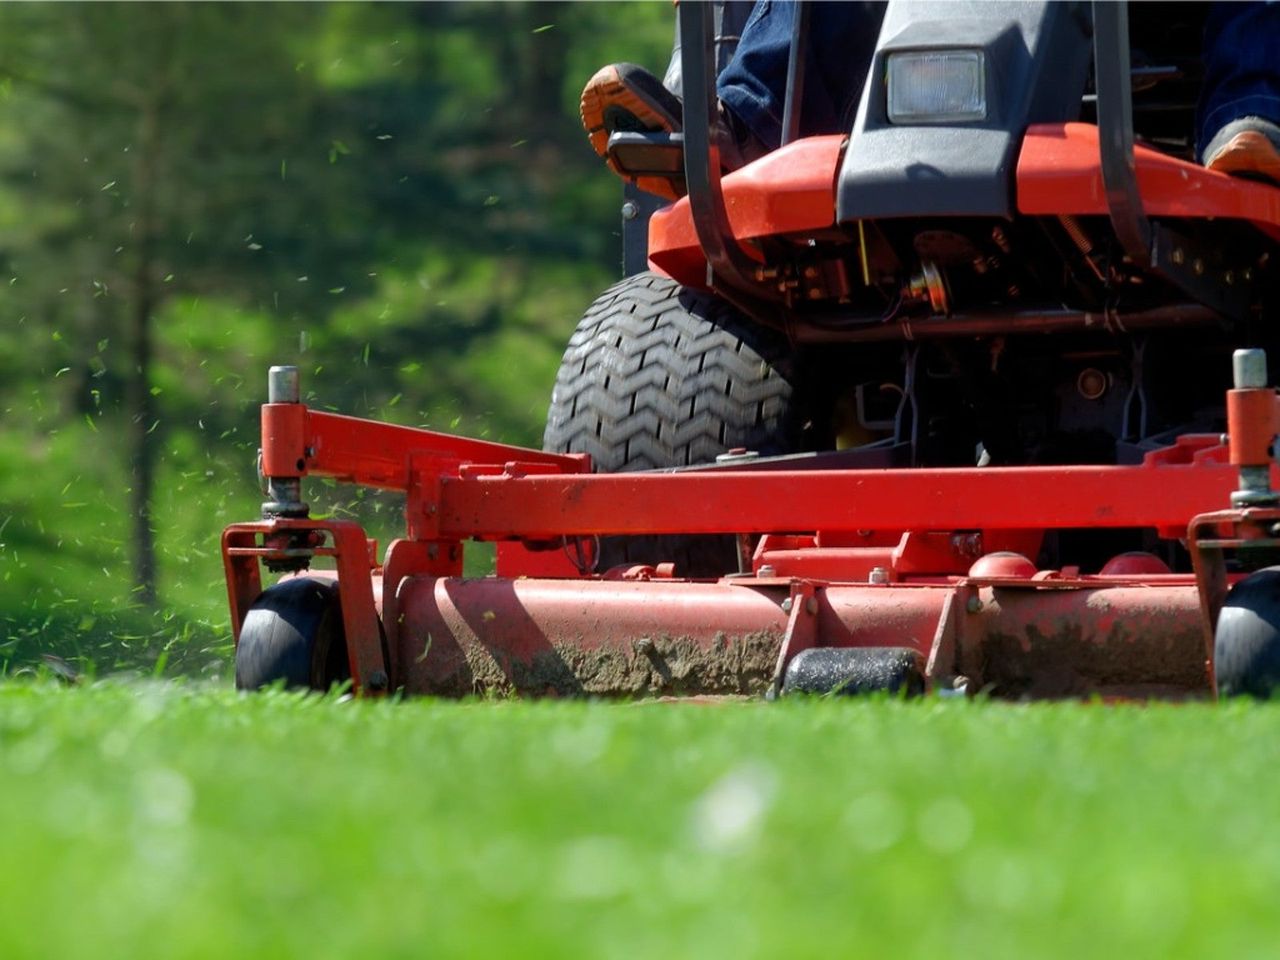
[1246,643]
[293,633]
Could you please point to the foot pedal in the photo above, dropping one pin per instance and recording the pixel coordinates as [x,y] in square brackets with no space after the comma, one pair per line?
[649,155]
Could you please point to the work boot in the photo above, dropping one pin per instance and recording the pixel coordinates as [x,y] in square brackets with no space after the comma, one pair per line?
[1248,147]
[627,98]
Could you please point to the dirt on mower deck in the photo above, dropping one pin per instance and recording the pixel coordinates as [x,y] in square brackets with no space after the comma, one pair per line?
[653,666]
[1156,649]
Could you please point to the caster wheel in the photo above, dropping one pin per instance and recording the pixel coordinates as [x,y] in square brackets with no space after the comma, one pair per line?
[1246,643]
[293,633]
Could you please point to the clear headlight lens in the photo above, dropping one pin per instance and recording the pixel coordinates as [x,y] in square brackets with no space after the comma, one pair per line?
[937,86]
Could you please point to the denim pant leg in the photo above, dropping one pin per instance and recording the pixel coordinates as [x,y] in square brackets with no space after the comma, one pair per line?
[842,39]
[1241,67]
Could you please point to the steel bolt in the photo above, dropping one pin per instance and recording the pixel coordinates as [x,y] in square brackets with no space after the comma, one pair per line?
[737,454]
[630,211]
[878,575]
[282,385]
[768,570]
[973,605]
[811,606]
[1178,255]
[1249,369]
[786,605]
[1198,266]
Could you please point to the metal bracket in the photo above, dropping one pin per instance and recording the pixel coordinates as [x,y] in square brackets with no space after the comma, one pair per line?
[801,608]
[242,552]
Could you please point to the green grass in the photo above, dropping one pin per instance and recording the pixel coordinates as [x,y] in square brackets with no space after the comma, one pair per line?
[162,820]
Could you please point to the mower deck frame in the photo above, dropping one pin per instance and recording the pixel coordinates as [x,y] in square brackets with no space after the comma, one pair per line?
[935,561]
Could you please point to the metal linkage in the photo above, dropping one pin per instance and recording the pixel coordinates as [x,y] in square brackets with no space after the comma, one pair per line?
[283,490]
[298,441]
[1251,427]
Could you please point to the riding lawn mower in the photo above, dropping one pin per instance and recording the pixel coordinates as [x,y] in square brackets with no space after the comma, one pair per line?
[932,406]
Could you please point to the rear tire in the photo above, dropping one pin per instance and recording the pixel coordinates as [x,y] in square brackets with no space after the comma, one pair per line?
[658,375]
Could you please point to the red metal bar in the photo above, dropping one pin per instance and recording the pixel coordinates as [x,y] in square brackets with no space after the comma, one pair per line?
[244,578]
[1011,498]
[457,491]
[912,554]
[297,441]
[1251,425]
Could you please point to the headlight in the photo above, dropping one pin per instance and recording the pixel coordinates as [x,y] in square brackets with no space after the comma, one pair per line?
[937,86]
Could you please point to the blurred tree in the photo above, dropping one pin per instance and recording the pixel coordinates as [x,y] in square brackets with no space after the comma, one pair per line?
[143,188]
[186,190]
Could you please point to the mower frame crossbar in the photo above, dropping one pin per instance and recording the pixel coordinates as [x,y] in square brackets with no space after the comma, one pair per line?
[1013,498]
[462,489]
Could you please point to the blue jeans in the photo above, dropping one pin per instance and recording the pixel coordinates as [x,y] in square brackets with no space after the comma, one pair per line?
[1241,59]
[1241,67]
[842,38]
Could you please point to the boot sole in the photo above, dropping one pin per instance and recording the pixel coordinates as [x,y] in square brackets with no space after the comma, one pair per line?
[609,88]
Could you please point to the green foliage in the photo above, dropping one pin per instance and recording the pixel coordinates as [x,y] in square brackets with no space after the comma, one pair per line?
[397,197]
[149,820]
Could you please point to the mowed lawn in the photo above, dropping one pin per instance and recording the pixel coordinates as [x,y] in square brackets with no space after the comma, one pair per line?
[169,821]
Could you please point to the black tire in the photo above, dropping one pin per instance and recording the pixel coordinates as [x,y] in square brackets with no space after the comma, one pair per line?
[1246,643]
[657,375]
[293,632]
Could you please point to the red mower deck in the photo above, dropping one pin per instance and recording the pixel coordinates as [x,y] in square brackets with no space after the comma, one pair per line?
[938,576]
